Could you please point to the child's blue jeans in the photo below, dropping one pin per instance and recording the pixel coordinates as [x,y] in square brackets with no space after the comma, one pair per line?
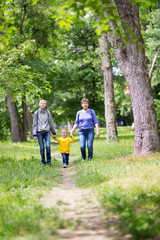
[44,137]
[65,158]
[86,135]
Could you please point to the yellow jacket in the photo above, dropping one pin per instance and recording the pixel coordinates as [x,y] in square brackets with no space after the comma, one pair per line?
[64,144]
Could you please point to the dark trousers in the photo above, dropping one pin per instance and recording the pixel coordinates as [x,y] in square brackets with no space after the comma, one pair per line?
[86,135]
[65,158]
[44,138]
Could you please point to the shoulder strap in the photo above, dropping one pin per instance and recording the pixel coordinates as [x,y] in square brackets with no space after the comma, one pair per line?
[37,114]
[91,112]
[79,112]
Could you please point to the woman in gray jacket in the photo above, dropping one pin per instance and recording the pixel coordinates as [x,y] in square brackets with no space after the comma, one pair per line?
[42,125]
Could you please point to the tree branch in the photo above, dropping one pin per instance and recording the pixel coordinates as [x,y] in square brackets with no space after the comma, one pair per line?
[153,64]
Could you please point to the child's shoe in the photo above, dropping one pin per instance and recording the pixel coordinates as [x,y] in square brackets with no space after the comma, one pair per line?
[49,163]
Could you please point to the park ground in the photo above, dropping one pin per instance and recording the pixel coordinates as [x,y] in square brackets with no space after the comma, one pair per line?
[116,196]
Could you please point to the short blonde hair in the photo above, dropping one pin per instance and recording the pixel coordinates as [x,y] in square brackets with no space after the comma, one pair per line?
[64,129]
[42,100]
[84,100]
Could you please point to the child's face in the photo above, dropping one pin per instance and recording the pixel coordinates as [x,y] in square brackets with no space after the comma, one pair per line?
[63,133]
[42,104]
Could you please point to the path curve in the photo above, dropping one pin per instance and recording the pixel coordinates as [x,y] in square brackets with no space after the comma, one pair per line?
[81,206]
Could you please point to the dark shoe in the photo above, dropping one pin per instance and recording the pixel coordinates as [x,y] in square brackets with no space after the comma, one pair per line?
[50,164]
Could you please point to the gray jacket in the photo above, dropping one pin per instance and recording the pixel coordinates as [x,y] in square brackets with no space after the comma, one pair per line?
[43,122]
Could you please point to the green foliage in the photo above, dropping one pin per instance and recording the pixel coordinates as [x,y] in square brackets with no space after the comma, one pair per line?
[75,71]
[151,36]
[16,75]
[123,102]
[157,106]
[4,120]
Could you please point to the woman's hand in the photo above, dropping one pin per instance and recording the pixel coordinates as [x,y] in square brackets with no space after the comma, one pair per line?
[73,129]
[97,135]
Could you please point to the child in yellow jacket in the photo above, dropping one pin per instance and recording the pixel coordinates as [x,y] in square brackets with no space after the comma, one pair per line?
[64,146]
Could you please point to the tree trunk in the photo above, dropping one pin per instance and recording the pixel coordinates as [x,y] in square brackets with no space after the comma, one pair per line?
[29,121]
[22,121]
[13,119]
[110,106]
[24,124]
[133,64]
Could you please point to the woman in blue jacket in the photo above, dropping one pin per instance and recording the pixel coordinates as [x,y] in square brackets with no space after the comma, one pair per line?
[86,120]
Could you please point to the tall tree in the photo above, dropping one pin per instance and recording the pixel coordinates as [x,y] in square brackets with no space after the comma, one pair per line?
[132,60]
[34,24]
[110,106]
[13,119]
[123,23]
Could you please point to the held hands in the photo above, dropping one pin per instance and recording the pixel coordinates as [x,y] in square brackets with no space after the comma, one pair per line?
[54,136]
[35,138]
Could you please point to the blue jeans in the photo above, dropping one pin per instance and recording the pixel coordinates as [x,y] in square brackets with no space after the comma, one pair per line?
[86,135]
[65,158]
[44,137]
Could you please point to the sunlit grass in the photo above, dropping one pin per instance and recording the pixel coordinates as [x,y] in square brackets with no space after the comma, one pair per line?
[23,181]
[127,185]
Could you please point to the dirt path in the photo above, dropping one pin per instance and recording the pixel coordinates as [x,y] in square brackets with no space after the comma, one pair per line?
[81,206]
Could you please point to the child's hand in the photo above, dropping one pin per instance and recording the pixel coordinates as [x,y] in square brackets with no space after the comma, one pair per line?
[54,136]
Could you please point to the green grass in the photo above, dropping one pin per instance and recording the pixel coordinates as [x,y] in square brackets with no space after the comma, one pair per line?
[126,185]
[23,181]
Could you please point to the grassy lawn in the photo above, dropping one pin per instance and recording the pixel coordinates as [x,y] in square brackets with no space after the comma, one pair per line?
[22,182]
[127,186]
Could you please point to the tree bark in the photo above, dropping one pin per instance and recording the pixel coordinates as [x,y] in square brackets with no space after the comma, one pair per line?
[13,119]
[29,121]
[133,64]
[24,124]
[110,106]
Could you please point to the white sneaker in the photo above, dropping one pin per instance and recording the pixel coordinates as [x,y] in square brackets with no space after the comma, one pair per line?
[64,165]
[83,160]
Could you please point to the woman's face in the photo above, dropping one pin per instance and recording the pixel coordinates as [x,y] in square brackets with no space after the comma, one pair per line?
[85,105]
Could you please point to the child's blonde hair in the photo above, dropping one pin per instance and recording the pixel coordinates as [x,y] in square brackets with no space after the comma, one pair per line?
[64,129]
